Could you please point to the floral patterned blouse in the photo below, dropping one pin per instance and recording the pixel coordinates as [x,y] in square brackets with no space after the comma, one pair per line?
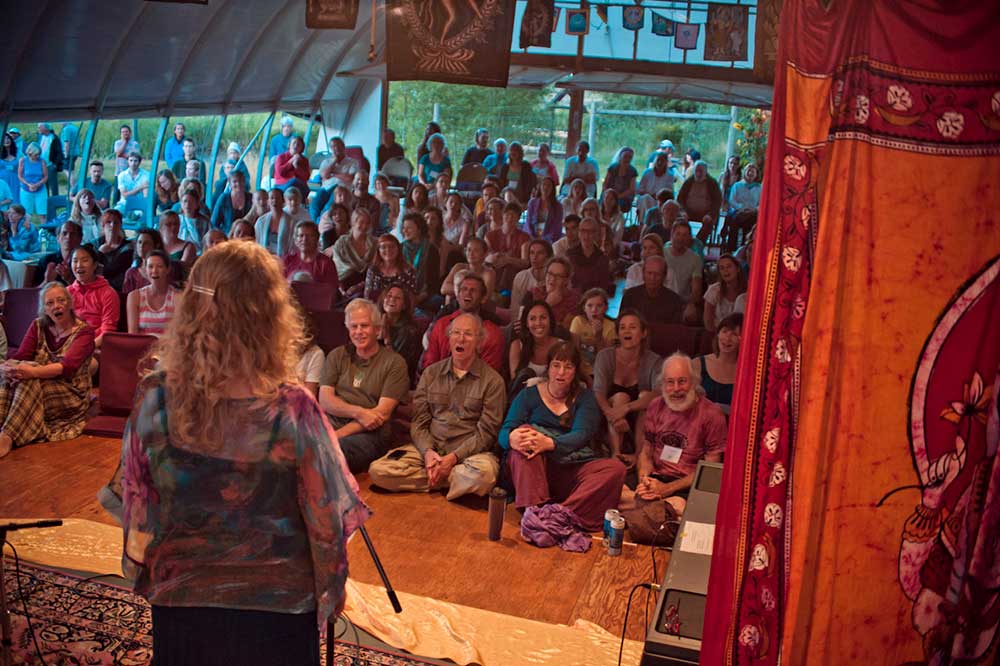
[258,520]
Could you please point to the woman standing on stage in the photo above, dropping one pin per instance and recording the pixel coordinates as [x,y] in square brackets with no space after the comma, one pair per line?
[237,500]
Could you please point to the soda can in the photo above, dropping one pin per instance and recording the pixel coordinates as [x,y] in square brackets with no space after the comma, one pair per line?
[609,515]
[617,536]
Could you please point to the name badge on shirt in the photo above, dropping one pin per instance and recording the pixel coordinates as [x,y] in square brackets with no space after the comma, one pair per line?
[671,454]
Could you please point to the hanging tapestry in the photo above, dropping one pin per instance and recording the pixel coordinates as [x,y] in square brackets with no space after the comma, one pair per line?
[765,43]
[860,512]
[662,25]
[537,23]
[633,18]
[332,14]
[726,32]
[686,35]
[453,41]
[577,21]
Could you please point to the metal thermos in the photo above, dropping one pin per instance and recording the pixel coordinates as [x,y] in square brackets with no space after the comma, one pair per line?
[498,504]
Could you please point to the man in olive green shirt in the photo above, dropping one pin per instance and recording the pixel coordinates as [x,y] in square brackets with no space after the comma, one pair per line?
[457,411]
[361,384]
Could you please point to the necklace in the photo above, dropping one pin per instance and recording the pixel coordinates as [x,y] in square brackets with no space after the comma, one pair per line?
[553,395]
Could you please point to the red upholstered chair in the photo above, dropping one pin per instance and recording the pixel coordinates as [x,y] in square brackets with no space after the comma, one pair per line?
[331,332]
[317,296]
[665,339]
[358,153]
[121,354]
[20,310]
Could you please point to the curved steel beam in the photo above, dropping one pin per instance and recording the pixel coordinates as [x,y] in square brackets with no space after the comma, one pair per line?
[182,71]
[335,65]
[102,95]
[19,60]
[265,27]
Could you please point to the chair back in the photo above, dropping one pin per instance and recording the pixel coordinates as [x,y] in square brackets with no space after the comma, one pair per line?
[358,153]
[331,331]
[20,310]
[121,354]
[665,339]
[319,296]
[316,159]
[399,171]
[470,177]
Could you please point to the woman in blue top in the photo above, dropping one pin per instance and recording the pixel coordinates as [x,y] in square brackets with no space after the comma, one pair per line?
[550,441]
[33,174]
[435,162]
[8,166]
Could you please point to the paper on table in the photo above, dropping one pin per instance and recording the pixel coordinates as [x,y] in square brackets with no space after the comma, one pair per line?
[697,538]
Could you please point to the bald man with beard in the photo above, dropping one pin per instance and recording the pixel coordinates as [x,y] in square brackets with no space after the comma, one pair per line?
[679,428]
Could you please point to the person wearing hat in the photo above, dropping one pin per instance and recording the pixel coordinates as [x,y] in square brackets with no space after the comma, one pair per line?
[173,150]
[233,153]
[279,143]
[581,166]
[18,141]
[52,154]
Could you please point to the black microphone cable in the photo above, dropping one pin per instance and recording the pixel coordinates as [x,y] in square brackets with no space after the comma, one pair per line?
[24,603]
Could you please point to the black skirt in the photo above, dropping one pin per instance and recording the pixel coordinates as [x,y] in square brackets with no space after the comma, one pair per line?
[227,637]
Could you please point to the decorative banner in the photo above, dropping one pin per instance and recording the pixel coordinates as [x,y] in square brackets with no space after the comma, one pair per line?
[662,25]
[726,32]
[577,21]
[602,13]
[686,35]
[431,40]
[633,18]
[765,48]
[332,14]
[538,23]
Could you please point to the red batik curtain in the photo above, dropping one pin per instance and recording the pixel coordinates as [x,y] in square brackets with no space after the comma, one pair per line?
[860,516]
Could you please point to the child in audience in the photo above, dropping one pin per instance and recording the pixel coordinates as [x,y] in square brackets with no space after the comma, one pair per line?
[592,331]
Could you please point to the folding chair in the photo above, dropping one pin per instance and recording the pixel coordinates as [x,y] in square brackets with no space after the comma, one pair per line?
[316,159]
[121,354]
[20,311]
[399,171]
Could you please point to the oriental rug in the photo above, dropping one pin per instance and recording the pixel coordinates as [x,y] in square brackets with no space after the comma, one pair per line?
[89,621]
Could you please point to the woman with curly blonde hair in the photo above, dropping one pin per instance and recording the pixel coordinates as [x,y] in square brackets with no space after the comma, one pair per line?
[237,502]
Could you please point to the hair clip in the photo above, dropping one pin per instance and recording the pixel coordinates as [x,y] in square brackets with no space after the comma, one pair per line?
[203,290]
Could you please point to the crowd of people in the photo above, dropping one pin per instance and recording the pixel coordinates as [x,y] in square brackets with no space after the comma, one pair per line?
[476,314]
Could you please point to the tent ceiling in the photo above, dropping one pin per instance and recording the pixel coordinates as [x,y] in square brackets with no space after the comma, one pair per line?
[72,59]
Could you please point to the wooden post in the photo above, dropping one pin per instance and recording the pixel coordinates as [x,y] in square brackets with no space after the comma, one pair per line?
[575,121]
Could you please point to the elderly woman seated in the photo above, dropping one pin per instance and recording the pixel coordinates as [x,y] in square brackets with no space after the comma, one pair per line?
[45,385]
[561,479]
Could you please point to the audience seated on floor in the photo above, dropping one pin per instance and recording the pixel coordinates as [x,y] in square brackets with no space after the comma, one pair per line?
[684,268]
[718,369]
[361,385]
[150,308]
[591,267]
[475,263]
[528,354]
[593,330]
[116,253]
[562,477]
[352,253]
[471,297]
[658,304]
[45,384]
[539,252]
[306,257]
[457,410]
[626,378]
[728,294]
[94,300]
[399,330]
[679,427]
[388,268]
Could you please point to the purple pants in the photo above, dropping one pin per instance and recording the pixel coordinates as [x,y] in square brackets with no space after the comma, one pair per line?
[588,489]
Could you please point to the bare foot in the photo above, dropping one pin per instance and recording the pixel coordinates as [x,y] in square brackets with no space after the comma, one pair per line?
[6,444]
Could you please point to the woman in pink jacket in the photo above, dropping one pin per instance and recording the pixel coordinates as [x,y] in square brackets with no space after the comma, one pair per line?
[94,300]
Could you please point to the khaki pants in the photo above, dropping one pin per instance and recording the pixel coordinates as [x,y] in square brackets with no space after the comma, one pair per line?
[476,474]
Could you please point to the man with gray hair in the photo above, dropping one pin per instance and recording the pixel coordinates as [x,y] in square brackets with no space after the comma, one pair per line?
[679,428]
[457,411]
[657,304]
[361,384]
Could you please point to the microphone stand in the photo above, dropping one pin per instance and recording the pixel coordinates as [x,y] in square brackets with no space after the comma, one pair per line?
[7,635]
[391,593]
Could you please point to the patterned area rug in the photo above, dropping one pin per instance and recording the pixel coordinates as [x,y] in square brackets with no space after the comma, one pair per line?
[88,621]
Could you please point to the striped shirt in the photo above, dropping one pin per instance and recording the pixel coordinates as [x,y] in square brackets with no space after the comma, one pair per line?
[154,322]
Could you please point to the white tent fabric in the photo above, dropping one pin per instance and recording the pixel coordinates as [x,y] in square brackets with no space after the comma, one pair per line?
[79,59]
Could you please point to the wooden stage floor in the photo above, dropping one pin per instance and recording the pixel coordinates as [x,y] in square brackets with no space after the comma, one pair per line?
[429,546]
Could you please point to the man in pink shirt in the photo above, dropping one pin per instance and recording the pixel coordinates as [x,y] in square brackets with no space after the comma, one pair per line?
[679,428]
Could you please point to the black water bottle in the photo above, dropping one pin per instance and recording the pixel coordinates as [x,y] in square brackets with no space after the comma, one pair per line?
[498,504]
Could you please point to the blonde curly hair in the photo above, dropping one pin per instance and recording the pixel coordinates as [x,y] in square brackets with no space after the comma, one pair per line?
[237,325]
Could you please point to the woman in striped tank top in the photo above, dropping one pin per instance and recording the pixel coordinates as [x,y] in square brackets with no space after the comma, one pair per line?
[151,307]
